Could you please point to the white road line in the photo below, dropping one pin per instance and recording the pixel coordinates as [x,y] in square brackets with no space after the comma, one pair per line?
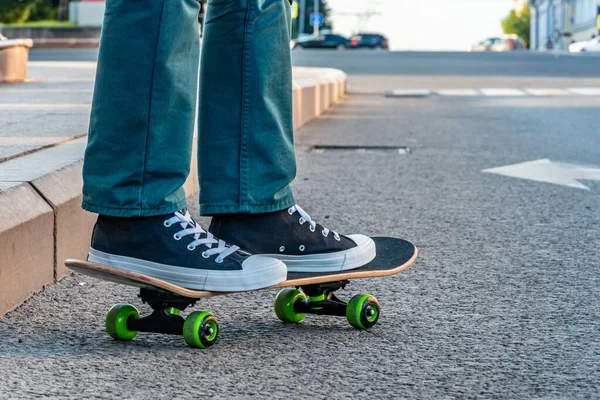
[544,170]
[547,92]
[28,140]
[408,93]
[62,64]
[497,92]
[585,91]
[34,106]
[4,90]
[458,92]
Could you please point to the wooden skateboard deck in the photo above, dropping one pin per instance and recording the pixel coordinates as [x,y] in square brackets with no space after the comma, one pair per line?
[393,256]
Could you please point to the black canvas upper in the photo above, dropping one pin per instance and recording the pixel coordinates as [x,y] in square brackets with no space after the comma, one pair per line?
[266,233]
[147,238]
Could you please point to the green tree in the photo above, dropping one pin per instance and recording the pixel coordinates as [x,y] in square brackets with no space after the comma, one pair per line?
[16,11]
[308,28]
[519,23]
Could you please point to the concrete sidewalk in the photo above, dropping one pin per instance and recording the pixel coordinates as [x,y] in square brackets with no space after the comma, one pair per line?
[42,139]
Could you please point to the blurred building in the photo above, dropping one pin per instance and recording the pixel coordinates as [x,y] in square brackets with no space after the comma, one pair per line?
[557,23]
[86,12]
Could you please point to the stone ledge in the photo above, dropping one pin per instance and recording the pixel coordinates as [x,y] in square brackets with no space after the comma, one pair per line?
[13,59]
[72,225]
[315,90]
[26,244]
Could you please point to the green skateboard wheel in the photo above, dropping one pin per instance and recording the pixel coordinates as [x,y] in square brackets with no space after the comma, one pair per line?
[284,305]
[200,329]
[116,321]
[362,311]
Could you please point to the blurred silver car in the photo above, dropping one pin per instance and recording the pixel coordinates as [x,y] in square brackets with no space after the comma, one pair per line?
[503,43]
[485,45]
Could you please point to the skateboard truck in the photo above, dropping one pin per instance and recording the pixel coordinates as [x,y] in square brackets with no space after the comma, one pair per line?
[291,305]
[199,329]
[322,300]
[165,316]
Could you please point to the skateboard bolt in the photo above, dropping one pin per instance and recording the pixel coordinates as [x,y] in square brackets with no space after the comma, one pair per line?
[370,312]
[209,331]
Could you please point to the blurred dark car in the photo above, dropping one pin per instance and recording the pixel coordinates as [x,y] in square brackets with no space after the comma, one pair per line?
[369,41]
[326,41]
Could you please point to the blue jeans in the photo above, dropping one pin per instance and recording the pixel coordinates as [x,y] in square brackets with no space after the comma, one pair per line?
[142,120]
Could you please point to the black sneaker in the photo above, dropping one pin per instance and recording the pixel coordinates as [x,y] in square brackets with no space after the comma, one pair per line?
[291,236]
[176,249]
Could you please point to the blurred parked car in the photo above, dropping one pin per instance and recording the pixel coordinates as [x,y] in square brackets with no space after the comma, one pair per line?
[509,43]
[485,45]
[369,40]
[504,43]
[587,45]
[326,41]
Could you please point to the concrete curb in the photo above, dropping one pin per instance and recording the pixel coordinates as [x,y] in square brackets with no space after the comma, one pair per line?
[315,90]
[13,59]
[41,220]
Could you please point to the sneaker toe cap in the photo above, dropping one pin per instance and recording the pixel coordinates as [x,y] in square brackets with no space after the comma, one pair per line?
[360,240]
[257,262]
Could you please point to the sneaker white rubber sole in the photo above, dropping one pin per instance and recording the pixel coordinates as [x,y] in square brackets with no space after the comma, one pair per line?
[257,272]
[356,257]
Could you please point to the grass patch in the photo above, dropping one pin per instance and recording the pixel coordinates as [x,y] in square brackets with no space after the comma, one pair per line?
[50,23]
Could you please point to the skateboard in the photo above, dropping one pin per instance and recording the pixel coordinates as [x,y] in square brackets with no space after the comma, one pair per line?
[301,294]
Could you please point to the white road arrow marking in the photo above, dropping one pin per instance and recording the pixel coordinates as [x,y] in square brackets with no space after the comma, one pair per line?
[547,171]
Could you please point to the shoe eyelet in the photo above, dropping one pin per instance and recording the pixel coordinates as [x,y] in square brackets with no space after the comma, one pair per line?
[176,237]
[301,221]
[191,248]
[301,247]
[312,228]
[205,255]
[167,224]
[282,249]
[325,234]
[290,211]
[218,260]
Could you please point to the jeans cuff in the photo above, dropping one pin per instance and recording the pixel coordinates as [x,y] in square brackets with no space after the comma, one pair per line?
[235,208]
[133,212]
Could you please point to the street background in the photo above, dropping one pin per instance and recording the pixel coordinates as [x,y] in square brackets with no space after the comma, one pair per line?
[502,301]
[487,160]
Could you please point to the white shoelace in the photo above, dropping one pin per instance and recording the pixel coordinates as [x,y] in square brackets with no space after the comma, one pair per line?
[304,217]
[190,227]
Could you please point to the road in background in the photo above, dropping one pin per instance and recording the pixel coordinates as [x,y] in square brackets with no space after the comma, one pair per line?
[502,302]
[376,71]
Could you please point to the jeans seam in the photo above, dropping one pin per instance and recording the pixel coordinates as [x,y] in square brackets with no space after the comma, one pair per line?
[150,106]
[243,184]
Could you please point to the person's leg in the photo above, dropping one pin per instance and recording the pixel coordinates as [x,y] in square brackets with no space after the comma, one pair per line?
[246,148]
[246,157]
[139,150]
[142,121]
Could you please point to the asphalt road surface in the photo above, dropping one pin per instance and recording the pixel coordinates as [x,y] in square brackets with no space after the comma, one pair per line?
[503,301]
